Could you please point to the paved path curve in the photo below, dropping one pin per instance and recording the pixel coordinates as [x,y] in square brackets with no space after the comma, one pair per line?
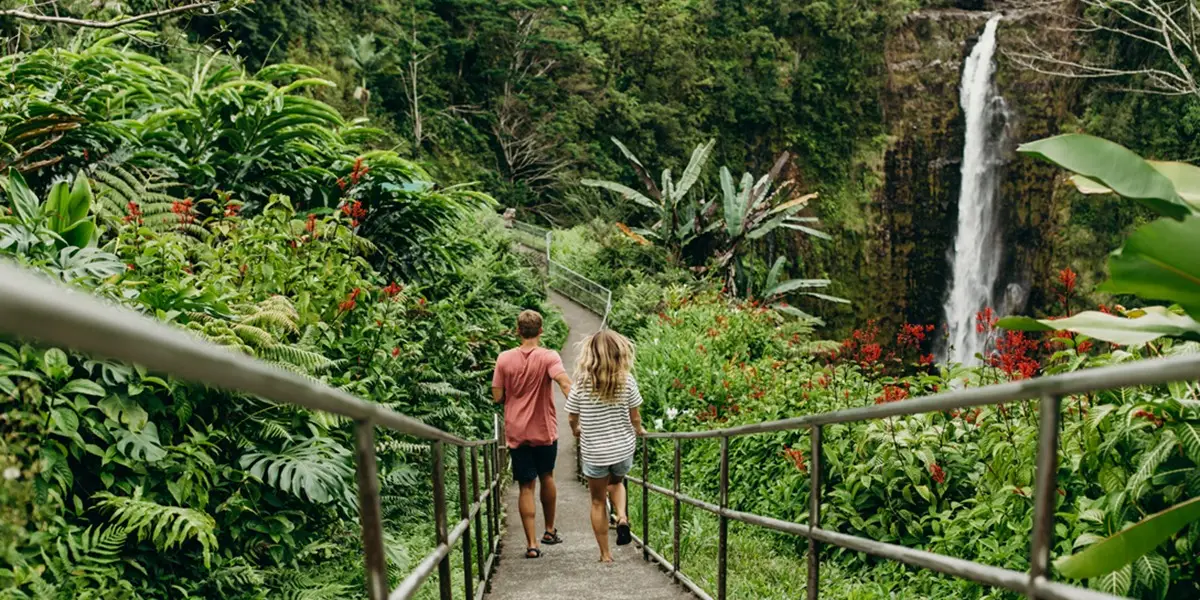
[571,570]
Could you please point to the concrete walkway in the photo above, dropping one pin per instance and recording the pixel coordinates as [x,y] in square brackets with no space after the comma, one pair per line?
[571,570]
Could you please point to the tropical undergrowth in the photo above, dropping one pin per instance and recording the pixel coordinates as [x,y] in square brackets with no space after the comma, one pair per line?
[237,208]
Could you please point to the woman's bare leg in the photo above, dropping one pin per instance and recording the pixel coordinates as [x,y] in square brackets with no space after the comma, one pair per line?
[598,488]
[616,491]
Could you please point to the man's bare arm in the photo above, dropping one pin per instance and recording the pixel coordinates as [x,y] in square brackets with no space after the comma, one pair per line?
[573,419]
[498,395]
[564,383]
[635,417]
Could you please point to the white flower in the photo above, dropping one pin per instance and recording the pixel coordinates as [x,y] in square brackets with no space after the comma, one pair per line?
[11,473]
[658,423]
[672,413]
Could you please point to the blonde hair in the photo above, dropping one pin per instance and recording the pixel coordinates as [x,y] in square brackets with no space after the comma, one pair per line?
[605,361]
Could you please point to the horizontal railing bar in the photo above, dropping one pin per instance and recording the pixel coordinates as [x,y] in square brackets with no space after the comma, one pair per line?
[684,580]
[1155,371]
[1017,581]
[425,568]
[33,307]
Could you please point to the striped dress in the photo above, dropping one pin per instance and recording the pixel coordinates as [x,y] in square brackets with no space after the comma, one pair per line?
[606,434]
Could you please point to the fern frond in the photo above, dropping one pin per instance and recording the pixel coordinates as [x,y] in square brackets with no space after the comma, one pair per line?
[254,336]
[305,359]
[166,526]
[400,447]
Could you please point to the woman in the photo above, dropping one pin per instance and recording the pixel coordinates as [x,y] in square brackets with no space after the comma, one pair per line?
[603,411]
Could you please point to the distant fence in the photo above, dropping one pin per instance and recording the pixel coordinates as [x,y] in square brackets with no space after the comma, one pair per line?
[586,292]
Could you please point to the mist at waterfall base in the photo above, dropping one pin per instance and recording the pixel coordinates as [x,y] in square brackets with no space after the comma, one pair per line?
[975,256]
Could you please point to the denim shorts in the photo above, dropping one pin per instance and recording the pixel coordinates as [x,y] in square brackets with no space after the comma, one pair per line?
[617,470]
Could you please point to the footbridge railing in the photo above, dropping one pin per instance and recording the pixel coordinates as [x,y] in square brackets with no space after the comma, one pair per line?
[586,292]
[35,308]
[1034,583]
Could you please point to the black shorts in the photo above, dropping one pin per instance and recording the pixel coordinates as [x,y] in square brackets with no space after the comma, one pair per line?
[531,462]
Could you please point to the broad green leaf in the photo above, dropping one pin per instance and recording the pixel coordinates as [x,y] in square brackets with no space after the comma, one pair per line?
[1189,437]
[1155,323]
[626,192]
[22,198]
[795,284]
[695,166]
[1116,583]
[86,387]
[141,445]
[1152,574]
[776,270]
[827,297]
[1185,178]
[1118,551]
[1112,166]
[1160,261]
[809,230]
[733,210]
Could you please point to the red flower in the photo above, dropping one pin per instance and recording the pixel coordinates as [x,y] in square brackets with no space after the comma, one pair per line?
[355,211]
[1066,278]
[795,455]
[869,353]
[1084,346]
[232,209]
[677,384]
[891,393]
[395,351]
[926,360]
[183,208]
[912,335]
[350,302]
[713,332]
[129,266]
[311,225]
[242,269]
[1013,355]
[341,183]
[1149,416]
[358,171]
[133,213]
[393,289]
[1104,309]
[939,476]
[985,320]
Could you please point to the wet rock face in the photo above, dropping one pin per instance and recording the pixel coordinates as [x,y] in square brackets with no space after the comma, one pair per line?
[912,217]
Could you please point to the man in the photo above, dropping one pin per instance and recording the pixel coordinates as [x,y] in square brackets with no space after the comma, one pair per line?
[522,382]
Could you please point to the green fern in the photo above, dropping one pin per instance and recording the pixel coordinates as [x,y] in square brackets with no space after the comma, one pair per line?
[1151,459]
[117,186]
[91,553]
[316,469]
[166,526]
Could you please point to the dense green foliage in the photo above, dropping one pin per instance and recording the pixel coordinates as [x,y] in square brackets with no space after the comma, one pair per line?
[122,483]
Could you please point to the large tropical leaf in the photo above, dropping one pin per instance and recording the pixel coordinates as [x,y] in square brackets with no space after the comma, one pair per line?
[795,284]
[626,192]
[1185,178]
[1160,261]
[733,209]
[1118,551]
[1114,167]
[1156,322]
[695,166]
[315,469]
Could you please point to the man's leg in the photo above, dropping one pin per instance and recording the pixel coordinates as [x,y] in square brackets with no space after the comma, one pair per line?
[528,513]
[597,488]
[549,493]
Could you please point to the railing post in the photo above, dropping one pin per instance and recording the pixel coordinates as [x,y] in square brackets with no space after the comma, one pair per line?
[479,557]
[814,514]
[1044,492]
[370,510]
[646,499]
[675,514]
[439,516]
[490,477]
[464,511]
[723,522]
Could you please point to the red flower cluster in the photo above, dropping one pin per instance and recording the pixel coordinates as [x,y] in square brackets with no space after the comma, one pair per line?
[967,415]
[985,320]
[912,335]
[795,455]
[939,476]
[1066,278]
[708,414]
[355,211]
[1149,416]
[350,302]
[1014,355]
[183,208]
[392,289]
[232,209]
[926,360]
[892,393]
[360,168]
[133,213]
[395,351]
[311,224]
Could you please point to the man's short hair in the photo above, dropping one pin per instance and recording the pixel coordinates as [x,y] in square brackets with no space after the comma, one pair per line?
[529,324]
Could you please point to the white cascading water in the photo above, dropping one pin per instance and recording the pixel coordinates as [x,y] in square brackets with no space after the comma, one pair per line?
[976,257]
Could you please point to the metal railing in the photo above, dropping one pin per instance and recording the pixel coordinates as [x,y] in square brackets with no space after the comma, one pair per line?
[35,308]
[586,292]
[1035,583]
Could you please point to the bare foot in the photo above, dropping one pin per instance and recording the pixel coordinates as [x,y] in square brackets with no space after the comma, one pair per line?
[606,559]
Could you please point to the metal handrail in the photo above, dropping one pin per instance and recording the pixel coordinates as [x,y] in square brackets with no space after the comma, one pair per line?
[36,308]
[1034,583]
[577,281]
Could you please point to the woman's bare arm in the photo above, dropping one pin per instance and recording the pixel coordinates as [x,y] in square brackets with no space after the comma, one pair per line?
[635,417]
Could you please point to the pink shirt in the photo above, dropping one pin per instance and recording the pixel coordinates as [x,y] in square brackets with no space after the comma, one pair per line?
[525,375]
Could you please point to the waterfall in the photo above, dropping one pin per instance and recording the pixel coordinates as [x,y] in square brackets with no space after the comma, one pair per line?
[975,258]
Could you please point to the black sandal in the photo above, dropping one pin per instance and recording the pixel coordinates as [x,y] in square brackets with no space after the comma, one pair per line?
[624,536]
[533,553]
[551,538]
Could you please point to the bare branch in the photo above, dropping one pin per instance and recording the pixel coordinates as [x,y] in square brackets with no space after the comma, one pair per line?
[28,16]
